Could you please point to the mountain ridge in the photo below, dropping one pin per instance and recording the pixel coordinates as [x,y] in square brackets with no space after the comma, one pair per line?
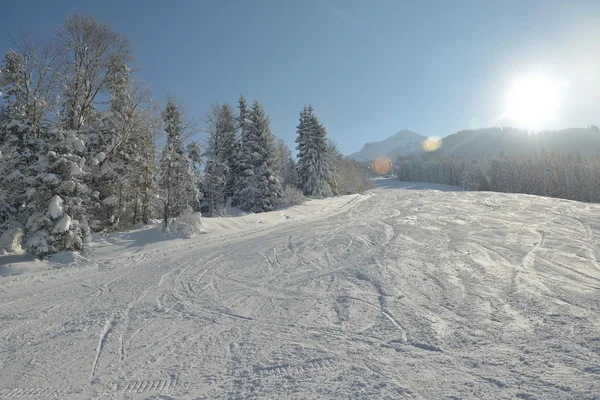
[485,143]
[404,142]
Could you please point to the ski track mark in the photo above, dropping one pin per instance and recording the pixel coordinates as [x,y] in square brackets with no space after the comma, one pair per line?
[529,258]
[385,313]
[152,385]
[106,329]
[28,393]
[287,369]
[206,270]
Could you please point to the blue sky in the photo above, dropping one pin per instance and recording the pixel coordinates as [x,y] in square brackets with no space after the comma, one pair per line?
[369,68]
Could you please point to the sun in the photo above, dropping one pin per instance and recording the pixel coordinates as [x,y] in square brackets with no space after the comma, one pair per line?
[533,101]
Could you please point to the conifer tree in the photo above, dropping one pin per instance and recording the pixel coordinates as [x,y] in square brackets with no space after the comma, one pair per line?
[177,183]
[313,155]
[258,188]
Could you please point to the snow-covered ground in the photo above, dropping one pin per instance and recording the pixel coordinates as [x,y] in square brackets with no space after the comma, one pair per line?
[403,294]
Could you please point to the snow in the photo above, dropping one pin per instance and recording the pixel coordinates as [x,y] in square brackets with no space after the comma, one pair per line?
[10,241]
[63,225]
[76,169]
[231,211]
[14,175]
[19,264]
[55,208]
[110,200]
[404,294]
[51,178]
[78,145]
[13,123]
[38,242]
[188,225]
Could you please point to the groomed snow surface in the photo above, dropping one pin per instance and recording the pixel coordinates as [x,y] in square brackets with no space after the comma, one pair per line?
[399,294]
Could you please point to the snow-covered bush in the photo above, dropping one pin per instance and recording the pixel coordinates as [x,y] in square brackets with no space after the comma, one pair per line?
[292,196]
[10,241]
[188,225]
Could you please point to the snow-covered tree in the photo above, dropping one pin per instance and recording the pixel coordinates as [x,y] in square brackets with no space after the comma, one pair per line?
[14,84]
[221,158]
[229,146]
[313,155]
[242,124]
[177,182]
[242,119]
[55,216]
[258,189]
[20,142]
[122,159]
[93,53]
[472,176]
[285,165]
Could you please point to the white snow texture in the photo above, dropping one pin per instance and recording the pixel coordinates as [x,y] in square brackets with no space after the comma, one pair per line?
[398,294]
[55,208]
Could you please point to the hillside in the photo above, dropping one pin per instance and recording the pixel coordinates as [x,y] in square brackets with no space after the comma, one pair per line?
[489,142]
[396,294]
[402,143]
[486,143]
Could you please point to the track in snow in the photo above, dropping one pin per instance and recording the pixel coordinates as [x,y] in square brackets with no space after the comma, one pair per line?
[401,294]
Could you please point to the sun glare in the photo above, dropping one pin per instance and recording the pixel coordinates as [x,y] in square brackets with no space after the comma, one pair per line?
[533,101]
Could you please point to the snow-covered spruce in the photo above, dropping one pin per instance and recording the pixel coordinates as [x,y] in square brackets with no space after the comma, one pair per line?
[177,180]
[221,159]
[313,155]
[258,189]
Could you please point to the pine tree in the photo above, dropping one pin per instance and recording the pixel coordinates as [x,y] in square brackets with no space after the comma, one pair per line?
[221,159]
[229,148]
[471,176]
[56,218]
[285,166]
[313,155]
[334,179]
[242,126]
[258,188]
[177,183]
[14,141]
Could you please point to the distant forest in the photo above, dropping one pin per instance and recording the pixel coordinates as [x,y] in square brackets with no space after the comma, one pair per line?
[568,176]
[487,143]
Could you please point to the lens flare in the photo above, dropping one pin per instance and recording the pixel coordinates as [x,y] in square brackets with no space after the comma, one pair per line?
[431,144]
[382,165]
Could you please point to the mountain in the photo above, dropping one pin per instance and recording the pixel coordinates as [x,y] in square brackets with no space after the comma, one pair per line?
[402,143]
[489,142]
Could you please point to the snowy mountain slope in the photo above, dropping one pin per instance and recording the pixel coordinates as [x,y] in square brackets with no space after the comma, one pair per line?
[403,143]
[140,242]
[401,294]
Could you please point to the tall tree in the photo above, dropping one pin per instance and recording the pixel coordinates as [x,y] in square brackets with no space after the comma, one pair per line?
[56,217]
[313,155]
[285,165]
[177,183]
[93,53]
[221,158]
[258,188]
[242,124]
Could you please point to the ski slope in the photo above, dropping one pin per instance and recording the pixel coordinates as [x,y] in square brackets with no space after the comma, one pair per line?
[404,294]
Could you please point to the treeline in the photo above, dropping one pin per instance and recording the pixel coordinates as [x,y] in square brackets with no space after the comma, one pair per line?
[79,147]
[567,176]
